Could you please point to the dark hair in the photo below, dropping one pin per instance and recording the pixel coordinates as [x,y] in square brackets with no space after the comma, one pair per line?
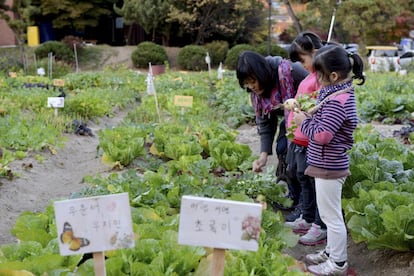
[334,58]
[304,44]
[253,65]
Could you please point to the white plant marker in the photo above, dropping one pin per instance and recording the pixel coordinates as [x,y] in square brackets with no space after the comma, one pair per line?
[208,61]
[151,89]
[220,71]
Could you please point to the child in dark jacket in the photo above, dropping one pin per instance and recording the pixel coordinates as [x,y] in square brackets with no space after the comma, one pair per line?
[308,223]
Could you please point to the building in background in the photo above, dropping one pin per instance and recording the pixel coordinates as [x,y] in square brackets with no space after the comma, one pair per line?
[7,37]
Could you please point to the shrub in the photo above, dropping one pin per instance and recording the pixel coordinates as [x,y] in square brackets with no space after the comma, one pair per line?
[59,49]
[91,58]
[149,52]
[9,64]
[275,50]
[192,57]
[71,40]
[233,55]
[218,51]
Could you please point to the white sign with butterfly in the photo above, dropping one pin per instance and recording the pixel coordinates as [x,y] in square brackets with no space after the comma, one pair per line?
[94,224]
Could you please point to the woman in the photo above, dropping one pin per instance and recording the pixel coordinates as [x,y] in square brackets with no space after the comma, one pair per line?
[270,81]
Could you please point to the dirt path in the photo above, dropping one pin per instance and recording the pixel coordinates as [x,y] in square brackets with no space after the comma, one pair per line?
[56,177]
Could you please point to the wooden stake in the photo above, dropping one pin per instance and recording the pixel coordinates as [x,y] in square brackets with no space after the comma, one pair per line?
[217,264]
[99,263]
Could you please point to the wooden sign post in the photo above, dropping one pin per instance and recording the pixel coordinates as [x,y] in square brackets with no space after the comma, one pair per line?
[99,263]
[94,225]
[220,224]
[217,264]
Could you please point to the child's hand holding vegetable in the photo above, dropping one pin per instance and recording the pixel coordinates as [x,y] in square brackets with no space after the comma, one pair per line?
[299,116]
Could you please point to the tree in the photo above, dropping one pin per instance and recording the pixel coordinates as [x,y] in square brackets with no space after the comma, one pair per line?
[365,22]
[404,21]
[292,15]
[370,20]
[315,17]
[76,14]
[149,14]
[206,18]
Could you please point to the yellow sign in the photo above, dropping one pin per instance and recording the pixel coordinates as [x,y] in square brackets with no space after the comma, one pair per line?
[184,101]
[12,74]
[32,36]
[58,82]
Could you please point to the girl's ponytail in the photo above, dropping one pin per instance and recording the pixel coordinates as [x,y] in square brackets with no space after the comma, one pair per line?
[357,67]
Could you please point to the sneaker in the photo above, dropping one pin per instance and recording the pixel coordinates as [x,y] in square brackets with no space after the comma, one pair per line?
[315,235]
[317,258]
[294,215]
[328,268]
[299,226]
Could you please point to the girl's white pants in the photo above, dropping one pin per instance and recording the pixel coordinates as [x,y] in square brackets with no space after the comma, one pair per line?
[328,198]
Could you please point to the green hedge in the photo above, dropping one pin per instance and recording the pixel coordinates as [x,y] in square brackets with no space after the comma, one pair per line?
[233,55]
[60,50]
[193,58]
[275,50]
[147,52]
[218,51]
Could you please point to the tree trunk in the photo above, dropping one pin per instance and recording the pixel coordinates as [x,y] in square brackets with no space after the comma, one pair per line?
[129,37]
[292,14]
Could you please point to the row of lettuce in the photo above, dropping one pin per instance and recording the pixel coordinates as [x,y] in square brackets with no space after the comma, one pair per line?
[167,151]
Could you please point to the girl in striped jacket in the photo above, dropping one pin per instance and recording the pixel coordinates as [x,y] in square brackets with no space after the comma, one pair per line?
[330,126]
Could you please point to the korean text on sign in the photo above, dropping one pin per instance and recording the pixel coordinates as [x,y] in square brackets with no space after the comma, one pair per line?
[219,223]
[94,224]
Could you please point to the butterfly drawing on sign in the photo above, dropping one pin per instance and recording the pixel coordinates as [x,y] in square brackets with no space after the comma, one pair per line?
[67,237]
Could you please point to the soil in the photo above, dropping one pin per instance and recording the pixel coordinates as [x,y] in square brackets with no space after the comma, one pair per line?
[60,174]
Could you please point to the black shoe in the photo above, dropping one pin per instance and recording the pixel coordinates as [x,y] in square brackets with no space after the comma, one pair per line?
[294,215]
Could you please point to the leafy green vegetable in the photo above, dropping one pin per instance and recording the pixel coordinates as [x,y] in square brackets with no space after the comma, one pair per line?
[32,227]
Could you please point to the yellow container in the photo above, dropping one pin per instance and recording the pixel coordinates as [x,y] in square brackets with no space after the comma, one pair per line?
[32,35]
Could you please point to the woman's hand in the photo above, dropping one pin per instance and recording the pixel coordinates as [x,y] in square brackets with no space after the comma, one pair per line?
[260,163]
